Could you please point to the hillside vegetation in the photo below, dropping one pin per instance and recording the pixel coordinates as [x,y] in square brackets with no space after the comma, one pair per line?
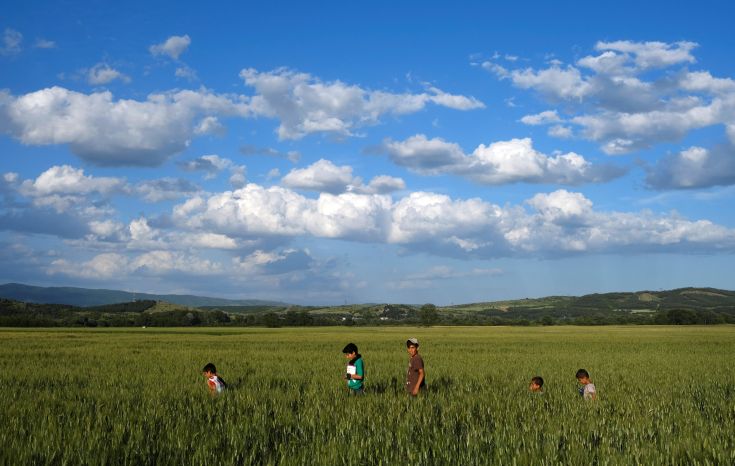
[704,306]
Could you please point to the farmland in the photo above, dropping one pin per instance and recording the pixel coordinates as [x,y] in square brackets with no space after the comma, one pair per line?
[136,396]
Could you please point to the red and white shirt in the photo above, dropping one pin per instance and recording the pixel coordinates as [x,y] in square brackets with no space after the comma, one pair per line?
[216,385]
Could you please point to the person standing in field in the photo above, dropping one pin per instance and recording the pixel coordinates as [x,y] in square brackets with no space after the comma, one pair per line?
[416,377]
[587,390]
[215,383]
[355,373]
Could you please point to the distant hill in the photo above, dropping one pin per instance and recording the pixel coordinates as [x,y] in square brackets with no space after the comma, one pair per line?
[694,299]
[86,297]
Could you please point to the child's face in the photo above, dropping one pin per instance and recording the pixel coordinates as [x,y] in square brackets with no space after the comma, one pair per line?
[412,350]
[534,387]
[583,380]
[350,355]
[207,374]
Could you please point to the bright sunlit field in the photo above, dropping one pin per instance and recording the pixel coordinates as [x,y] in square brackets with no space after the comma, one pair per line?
[137,396]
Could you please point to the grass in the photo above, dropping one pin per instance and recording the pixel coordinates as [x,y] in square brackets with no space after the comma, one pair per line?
[136,396]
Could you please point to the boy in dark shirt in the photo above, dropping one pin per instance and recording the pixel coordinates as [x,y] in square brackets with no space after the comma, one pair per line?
[415,378]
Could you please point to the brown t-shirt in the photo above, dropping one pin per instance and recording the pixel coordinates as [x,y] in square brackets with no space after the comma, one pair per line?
[412,377]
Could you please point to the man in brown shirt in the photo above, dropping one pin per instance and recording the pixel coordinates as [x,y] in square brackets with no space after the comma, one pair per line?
[415,379]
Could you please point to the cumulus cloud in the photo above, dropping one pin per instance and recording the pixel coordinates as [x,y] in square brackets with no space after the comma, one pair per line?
[543,118]
[212,165]
[614,99]
[323,176]
[382,184]
[64,187]
[304,104]
[559,222]
[102,73]
[155,263]
[173,47]
[12,40]
[695,167]
[106,132]
[273,262]
[498,163]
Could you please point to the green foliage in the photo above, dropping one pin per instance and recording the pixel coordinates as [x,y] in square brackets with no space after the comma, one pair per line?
[136,396]
[428,314]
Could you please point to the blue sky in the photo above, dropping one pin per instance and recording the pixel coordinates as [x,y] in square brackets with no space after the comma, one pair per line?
[427,152]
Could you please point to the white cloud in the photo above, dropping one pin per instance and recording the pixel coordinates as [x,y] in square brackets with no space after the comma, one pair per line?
[498,163]
[382,184]
[186,73]
[64,187]
[65,179]
[108,229]
[305,105]
[559,222]
[543,118]
[12,40]
[653,54]
[561,132]
[106,132]
[212,165]
[615,100]
[174,46]
[102,266]
[321,176]
[44,44]
[113,265]
[101,73]
[324,176]
[273,262]
[695,167]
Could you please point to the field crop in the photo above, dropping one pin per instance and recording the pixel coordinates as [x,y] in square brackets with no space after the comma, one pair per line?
[136,396]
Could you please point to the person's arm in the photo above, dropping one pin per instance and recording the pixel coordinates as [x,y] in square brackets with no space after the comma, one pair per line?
[359,371]
[418,382]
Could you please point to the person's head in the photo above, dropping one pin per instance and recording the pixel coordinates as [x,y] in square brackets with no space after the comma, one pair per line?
[537,384]
[209,370]
[350,351]
[583,376]
[412,346]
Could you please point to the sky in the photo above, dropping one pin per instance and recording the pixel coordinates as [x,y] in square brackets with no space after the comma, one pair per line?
[336,152]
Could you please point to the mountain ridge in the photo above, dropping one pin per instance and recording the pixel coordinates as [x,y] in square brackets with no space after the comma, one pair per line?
[86,297]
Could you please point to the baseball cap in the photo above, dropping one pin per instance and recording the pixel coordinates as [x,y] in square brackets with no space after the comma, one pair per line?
[412,341]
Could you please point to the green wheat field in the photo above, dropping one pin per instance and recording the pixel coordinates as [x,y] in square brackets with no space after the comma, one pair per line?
[137,396]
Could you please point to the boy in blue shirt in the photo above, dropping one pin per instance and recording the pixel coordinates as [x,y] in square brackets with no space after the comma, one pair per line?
[355,373]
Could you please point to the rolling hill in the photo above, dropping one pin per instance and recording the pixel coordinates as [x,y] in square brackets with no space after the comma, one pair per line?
[99,297]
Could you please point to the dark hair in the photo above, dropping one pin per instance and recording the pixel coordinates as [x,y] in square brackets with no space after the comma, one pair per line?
[209,368]
[350,348]
[582,373]
[538,381]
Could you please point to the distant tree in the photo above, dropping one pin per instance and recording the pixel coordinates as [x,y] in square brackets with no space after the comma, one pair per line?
[271,319]
[547,320]
[428,315]
[681,317]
